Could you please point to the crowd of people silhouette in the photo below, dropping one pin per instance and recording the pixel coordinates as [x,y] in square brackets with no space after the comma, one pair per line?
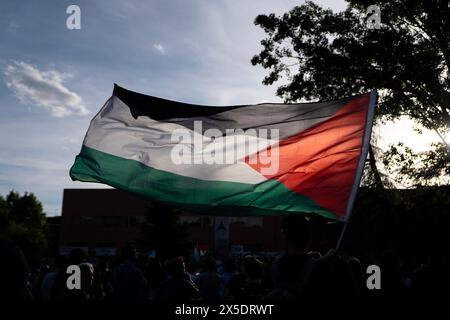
[292,275]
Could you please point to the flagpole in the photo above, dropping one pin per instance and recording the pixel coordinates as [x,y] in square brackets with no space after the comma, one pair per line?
[362,159]
[342,235]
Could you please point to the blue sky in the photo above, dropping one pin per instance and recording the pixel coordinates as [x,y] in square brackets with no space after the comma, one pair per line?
[53,80]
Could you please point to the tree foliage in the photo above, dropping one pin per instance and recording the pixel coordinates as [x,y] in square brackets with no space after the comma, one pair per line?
[319,54]
[22,220]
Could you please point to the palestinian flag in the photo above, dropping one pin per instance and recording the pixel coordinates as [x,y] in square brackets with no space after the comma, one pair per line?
[264,159]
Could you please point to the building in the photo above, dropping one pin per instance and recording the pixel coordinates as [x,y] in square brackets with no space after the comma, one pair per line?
[52,233]
[103,220]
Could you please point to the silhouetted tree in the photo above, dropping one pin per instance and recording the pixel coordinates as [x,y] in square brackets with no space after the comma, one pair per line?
[324,55]
[23,221]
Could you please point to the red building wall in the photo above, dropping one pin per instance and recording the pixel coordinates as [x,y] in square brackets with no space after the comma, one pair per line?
[106,218]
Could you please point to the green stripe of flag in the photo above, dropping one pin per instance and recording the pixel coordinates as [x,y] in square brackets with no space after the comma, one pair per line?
[214,197]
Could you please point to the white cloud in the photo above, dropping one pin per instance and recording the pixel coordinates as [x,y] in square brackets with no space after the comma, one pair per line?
[43,88]
[158,47]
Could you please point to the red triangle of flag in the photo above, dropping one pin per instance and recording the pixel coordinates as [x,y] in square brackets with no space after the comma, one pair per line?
[321,161]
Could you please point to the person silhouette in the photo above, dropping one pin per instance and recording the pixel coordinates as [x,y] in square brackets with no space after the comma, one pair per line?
[291,271]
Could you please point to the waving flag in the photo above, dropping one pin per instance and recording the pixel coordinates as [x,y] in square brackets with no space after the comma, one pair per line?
[265,159]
